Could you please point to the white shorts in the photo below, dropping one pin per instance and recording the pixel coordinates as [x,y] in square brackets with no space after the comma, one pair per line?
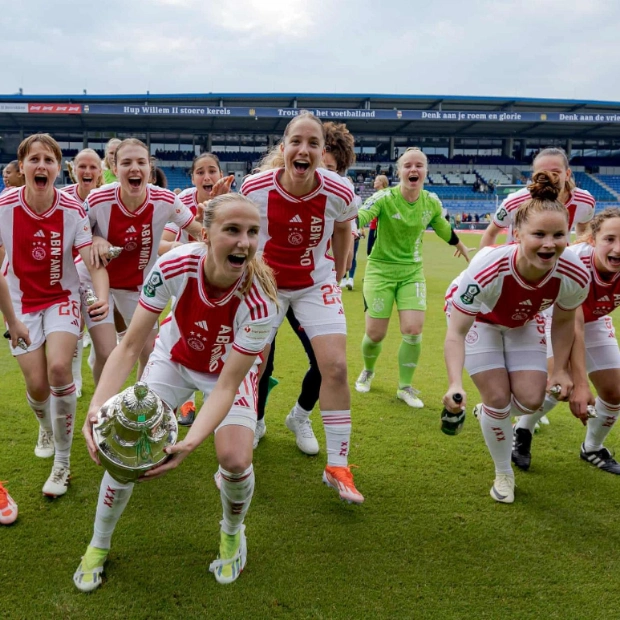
[125,301]
[175,384]
[601,344]
[64,317]
[318,309]
[517,348]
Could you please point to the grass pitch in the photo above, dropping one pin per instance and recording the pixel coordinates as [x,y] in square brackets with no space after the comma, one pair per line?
[428,543]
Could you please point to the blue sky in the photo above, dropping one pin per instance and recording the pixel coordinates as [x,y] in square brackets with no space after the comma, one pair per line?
[527,48]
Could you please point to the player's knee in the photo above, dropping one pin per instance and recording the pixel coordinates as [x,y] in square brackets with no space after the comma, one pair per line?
[497,400]
[335,371]
[530,402]
[376,335]
[59,373]
[233,460]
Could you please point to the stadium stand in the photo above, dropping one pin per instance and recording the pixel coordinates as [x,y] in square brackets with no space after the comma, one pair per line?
[591,184]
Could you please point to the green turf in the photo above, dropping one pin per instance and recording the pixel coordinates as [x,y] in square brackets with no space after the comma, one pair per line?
[428,543]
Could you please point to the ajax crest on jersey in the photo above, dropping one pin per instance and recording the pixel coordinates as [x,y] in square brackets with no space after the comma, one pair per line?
[131,432]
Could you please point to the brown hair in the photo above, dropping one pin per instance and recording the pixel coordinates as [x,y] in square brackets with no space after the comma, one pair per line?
[561,153]
[256,267]
[133,142]
[341,144]
[597,221]
[544,190]
[274,158]
[106,159]
[45,139]
[92,152]
[408,150]
[15,165]
[214,157]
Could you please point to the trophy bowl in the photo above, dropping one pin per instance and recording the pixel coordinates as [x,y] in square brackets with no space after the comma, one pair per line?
[131,432]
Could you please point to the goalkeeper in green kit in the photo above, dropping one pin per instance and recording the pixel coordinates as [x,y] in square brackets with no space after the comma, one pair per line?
[394,271]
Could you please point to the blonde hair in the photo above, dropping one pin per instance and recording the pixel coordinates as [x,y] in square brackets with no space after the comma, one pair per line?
[597,221]
[106,158]
[133,142]
[383,180]
[553,151]
[274,157]
[256,267]
[399,163]
[45,139]
[92,152]
[544,190]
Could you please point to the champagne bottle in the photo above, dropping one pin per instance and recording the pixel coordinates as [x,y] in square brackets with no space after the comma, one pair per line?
[452,423]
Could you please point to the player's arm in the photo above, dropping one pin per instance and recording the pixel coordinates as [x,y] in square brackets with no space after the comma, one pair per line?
[489,237]
[101,283]
[562,338]
[581,396]
[168,242]
[16,328]
[342,241]
[454,354]
[212,412]
[117,369]
[443,230]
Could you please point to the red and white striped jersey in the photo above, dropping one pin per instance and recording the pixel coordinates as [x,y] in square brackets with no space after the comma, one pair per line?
[603,296]
[580,206]
[492,289]
[188,198]
[72,190]
[137,232]
[200,332]
[39,263]
[296,231]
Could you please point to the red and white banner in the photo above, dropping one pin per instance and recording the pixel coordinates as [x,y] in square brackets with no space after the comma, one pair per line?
[54,108]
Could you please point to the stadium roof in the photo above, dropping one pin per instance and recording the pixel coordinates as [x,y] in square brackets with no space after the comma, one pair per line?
[371,114]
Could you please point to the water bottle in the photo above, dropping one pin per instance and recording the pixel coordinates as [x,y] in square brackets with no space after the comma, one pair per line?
[452,423]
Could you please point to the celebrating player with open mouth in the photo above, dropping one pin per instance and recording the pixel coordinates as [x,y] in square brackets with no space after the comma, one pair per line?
[221,318]
[504,290]
[131,214]
[40,227]
[303,208]
[394,273]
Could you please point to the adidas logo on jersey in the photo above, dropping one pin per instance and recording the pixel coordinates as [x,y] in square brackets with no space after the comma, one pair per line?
[527,302]
[202,325]
[397,216]
[604,298]
[131,229]
[40,233]
[296,220]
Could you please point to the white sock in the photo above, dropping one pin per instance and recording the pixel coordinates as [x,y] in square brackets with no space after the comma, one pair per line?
[497,431]
[42,411]
[337,425]
[529,421]
[76,364]
[63,406]
[113,497]
[300,413]
[236,492]
[599,427]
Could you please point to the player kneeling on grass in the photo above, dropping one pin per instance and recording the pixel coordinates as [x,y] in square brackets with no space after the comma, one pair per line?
[221,319]
[504,290]
[595,352]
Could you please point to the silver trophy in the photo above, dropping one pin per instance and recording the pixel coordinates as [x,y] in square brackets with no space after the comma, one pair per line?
[131,432]
[88,297]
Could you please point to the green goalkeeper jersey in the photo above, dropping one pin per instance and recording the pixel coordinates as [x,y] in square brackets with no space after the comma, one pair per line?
[401,224]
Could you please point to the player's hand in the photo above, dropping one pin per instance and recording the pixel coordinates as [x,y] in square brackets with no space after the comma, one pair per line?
[463,250]
[562,382]
[448,400]
[99,252]
[18,330]
[87,431]
[222,186]
[99,310]
[176,455]
[580,398]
